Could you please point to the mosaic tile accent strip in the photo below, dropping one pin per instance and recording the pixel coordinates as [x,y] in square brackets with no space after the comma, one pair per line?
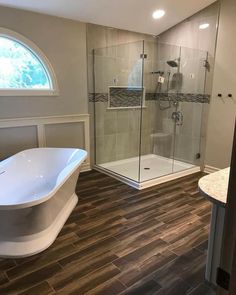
[119,97]
[182,97]
[98,97]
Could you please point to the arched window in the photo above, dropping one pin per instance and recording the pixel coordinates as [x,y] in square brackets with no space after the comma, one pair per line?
[24,69]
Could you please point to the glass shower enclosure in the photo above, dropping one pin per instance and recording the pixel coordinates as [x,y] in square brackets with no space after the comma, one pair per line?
[148,102]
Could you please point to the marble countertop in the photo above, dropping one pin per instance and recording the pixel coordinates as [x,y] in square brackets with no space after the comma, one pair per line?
[215,186]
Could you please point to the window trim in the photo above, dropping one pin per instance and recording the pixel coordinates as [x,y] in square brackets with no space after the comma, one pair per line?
[37,52]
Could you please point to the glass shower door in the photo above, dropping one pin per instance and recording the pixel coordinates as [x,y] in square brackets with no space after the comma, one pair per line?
[189,107]
[161,69]
[174,78]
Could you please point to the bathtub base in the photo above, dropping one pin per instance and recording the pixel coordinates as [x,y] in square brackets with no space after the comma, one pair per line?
[32,244]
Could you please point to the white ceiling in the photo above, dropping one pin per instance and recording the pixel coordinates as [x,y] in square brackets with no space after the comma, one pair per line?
[133,15]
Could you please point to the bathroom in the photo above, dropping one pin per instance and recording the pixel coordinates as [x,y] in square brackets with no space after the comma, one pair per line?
[132,113]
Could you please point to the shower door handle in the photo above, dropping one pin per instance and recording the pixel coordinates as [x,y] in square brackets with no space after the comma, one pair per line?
[178,118]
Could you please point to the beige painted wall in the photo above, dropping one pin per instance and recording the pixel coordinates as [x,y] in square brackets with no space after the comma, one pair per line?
[223,110]
[64,44]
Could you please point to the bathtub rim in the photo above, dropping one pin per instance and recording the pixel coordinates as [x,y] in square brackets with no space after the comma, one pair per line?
[56,187]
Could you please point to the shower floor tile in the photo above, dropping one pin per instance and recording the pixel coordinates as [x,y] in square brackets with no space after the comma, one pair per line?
[152,166]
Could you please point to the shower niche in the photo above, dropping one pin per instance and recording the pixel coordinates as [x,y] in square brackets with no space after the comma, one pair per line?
[126,97]
[148,101]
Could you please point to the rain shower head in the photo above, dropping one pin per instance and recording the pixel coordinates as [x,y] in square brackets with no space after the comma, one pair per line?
[173,63]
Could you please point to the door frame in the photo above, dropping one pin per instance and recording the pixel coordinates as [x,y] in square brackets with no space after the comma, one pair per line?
[228,252]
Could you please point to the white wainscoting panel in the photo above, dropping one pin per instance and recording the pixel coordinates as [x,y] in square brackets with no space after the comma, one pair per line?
[44,125]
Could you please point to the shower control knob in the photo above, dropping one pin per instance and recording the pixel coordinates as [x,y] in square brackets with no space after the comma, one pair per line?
[219,95]
[230,95]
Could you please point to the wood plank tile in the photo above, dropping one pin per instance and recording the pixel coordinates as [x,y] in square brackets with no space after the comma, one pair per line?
[136,241]
[202,289]
[101,220]
[65,239]
[179,267]
[90,281]
[180,232]
[99,235]
[143,253]
[120,240]
[113,287]
[138,229]
[29,280]
[203,246]
[177,287]
[40,289]
[3,278]
[174,214]
[78,270]
[137,213]
[99,227]
[95,248]
[141,270]
[38,261]
[68,228]
[185,244]
[144,287]
[6,264]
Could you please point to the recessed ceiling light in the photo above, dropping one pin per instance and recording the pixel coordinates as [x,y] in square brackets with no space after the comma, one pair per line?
[204,26]
[158,13]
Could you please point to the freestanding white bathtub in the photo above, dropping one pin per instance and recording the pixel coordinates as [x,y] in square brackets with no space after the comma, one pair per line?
[37,195]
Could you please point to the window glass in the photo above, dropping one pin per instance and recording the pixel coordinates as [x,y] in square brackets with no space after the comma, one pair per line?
[20,68]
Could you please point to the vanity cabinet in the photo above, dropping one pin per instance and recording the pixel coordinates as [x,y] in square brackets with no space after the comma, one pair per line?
[214,187]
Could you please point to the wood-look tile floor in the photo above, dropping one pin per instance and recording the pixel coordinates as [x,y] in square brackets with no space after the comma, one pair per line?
[121,241]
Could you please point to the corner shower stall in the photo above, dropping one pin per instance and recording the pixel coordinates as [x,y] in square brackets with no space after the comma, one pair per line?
[148,103]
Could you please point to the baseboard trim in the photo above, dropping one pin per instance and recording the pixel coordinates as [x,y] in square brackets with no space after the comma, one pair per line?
[210,169]
[85,167]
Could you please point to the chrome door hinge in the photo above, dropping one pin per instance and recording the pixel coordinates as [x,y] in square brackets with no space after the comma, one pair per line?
[143,55]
